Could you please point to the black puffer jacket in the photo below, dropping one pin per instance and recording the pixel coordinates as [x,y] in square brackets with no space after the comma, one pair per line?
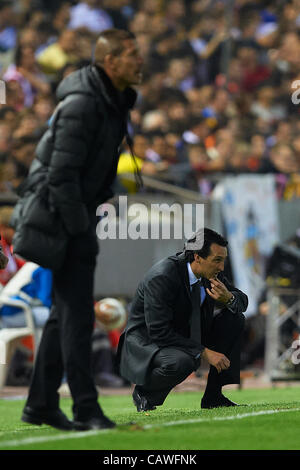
[77,157]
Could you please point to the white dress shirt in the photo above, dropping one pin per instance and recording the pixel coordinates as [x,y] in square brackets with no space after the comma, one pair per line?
[193,279]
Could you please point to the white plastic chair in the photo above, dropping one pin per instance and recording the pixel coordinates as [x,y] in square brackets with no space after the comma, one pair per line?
[9,337]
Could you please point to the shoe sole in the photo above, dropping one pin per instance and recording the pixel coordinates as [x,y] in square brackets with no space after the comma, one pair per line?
[31,420]
[38,422]
[219,406]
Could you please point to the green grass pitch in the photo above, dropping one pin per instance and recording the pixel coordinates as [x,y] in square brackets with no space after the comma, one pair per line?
[270,421]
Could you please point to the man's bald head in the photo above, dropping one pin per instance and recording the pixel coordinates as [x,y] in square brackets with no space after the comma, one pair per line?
[110,42]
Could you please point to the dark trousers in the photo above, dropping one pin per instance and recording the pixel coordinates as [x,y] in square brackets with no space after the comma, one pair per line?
[66,341]
[170,366]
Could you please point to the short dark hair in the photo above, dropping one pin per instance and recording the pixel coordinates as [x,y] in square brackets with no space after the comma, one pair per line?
[110,41]
[210,237]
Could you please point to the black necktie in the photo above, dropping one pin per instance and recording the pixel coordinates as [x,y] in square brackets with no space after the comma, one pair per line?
[196,314]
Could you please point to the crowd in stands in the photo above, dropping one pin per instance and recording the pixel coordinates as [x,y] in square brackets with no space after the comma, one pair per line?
[218,87]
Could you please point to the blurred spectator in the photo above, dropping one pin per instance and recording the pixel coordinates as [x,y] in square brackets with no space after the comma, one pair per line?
[5,140]
[23,148]
[175,13]
[196,132]
[57,55]
[8,31]
[283,131]
[28,125]
[256,153]
[8,116]
[176,110]
[13,173]
[180,74]
[26,72]
[205,36]
[264,105]
[43,107]
[282,159]
[253,73]
[286,57]
[155,120]
[198,162]
[127,165]
[90,15]
[32,37]
[85,40]
[166,47]
[218,109]
[157,150]
[239,160]
[120,12]
[140,23]
[61,17]
[15,97]
[7,233]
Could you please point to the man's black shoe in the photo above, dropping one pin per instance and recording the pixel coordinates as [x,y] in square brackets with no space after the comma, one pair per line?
[141,402]
[217,402]
[94,423]
[57,419]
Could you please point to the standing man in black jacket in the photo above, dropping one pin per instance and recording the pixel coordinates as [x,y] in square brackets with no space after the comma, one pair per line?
[174,322]
[79,156]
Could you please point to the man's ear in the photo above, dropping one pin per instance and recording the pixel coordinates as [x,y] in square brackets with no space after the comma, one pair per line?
[108,61]
[197,258]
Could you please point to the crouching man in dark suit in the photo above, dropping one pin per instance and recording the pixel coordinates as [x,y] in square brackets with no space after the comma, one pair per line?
[172,325]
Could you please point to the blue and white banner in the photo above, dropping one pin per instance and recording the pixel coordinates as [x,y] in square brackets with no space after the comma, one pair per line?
[249,207]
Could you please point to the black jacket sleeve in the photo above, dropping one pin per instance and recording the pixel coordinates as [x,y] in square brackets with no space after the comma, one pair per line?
[240,303]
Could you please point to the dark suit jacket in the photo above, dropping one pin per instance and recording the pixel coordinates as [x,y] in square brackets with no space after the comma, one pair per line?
[160,317]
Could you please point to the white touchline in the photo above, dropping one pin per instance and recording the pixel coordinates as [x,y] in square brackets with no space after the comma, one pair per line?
[77,435]
[58,437]
[222,418]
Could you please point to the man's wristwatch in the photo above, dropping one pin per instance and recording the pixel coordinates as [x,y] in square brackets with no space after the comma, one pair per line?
[230,301]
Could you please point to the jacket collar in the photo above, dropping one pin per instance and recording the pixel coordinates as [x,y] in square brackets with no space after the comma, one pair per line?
[182,265]
[120,101]
[183,271]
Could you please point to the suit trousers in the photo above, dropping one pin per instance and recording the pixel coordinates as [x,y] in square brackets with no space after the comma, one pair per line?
[65,346]
[170,366]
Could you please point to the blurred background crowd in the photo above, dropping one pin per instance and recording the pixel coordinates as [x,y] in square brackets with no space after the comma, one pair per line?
[217,95]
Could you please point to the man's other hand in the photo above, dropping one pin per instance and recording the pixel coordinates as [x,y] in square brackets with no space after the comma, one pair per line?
[218,360]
